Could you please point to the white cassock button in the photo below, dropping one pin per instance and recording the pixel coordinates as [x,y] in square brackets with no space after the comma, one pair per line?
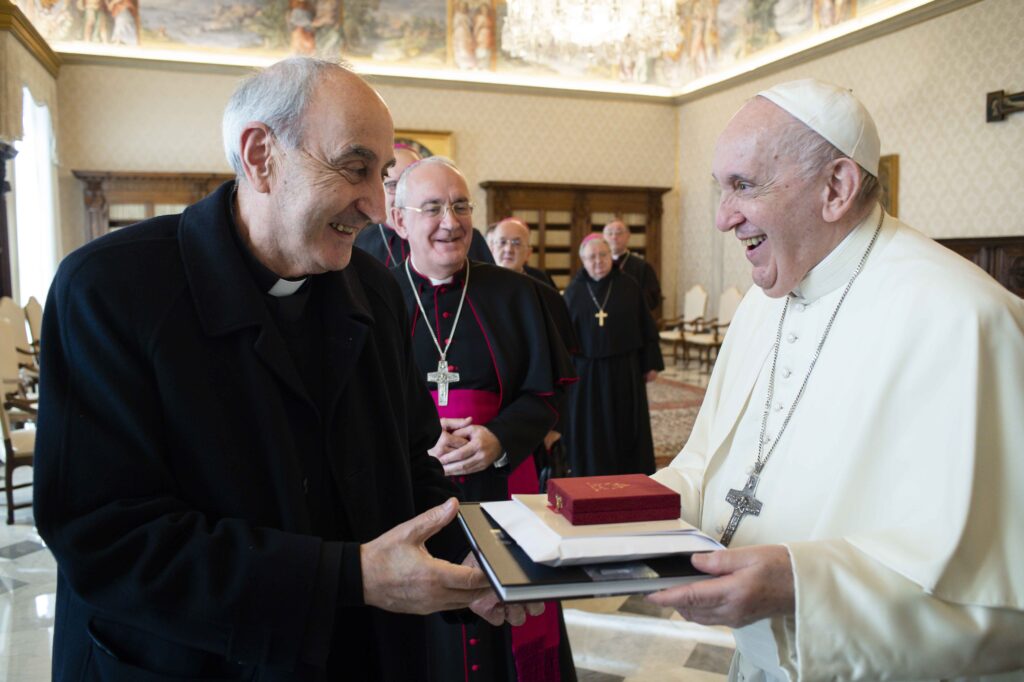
[767,438]
[800,307]
[778,407]
[719,529]
[791,337]
[786,372]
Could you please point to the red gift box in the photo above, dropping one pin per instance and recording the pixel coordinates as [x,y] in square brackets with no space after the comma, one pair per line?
[612,499]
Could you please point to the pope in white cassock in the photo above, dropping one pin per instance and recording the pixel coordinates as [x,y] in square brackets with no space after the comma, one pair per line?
[861,445]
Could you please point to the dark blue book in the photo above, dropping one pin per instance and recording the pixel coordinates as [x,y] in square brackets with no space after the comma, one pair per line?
[517,578]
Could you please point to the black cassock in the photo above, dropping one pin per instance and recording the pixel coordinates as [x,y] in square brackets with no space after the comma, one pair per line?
[640,270]
[553,463]
[384,244]
[609,424]
[512,368]
[540,275]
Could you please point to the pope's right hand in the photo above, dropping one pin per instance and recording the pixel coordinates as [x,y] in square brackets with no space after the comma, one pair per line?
[400,575]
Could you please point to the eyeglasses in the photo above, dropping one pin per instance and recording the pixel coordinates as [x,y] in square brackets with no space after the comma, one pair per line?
[513,243]
[435,209]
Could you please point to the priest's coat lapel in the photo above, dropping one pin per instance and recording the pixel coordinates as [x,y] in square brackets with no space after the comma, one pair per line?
[346,327]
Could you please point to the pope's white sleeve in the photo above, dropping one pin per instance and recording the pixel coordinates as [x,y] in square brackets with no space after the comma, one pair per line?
[858,620]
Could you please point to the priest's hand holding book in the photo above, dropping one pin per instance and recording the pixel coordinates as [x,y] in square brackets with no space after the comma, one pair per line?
[750,583]
[399,575]
[465,447]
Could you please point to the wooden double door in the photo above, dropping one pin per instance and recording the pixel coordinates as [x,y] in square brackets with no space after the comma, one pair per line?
[561,215]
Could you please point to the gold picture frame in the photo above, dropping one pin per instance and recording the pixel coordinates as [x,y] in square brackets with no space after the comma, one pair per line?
[889,179]
[428,142]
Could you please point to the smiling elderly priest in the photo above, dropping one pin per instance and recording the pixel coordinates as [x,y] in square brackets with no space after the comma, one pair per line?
[859,447]
[487,345]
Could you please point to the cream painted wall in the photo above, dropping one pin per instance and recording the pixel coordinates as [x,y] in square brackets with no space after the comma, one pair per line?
[125,118]
[925,87]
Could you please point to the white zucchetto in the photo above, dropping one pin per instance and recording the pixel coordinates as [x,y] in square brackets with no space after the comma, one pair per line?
[835,114]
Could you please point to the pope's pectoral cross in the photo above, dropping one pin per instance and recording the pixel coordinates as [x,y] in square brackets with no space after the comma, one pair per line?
[442,377]
[600,315]
[743,503]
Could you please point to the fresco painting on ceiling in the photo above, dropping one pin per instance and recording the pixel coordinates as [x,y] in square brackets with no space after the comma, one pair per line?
[456,35]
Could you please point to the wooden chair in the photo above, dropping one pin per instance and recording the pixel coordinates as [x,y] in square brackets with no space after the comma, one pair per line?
[14,387]
[16,409]
[34,315]
[710,338]
[674,331]
[15,314]
[19,451]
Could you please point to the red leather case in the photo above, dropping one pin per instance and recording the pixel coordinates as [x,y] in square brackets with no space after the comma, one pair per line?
[612,499]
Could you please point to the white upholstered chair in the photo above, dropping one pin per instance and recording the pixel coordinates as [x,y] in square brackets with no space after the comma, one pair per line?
[674,331]
[709,339]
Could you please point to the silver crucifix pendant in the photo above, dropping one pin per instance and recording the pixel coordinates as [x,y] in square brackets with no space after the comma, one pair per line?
[442,377]
[743,503]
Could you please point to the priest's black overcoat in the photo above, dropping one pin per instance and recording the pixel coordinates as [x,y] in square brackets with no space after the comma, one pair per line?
[171,464]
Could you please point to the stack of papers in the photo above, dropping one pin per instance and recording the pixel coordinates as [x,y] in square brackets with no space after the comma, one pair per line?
[548,538]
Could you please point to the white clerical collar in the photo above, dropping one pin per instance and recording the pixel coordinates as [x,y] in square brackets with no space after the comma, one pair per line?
[286,287]
[837,267]
[435,282]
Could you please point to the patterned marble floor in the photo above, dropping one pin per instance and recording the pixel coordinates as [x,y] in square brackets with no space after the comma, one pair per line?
[614,639]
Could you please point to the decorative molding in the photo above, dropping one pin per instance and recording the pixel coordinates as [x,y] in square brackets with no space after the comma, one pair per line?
[105,188]
[13,20]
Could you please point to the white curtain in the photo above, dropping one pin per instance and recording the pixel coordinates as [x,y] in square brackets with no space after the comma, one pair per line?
[35,241]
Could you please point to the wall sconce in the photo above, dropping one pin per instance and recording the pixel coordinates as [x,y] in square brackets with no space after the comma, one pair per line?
[999,105]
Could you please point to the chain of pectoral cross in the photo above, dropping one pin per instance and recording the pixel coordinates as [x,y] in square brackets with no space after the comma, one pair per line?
[600,314]
[743,501]
[387,246]
[442,377]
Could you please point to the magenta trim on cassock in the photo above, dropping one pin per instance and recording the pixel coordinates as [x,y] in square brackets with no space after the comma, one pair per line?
[482,406]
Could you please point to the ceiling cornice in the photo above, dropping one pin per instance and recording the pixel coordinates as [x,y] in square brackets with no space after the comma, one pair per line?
[14,21]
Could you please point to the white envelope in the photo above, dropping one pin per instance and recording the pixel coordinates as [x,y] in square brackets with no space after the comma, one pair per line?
[548,538]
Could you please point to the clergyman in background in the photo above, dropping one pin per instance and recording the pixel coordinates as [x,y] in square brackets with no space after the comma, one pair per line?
[609,426]
[616,233]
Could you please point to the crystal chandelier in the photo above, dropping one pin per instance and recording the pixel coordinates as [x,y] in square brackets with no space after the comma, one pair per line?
[567,30]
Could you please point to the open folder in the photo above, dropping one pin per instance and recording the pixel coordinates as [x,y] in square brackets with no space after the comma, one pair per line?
[516,577]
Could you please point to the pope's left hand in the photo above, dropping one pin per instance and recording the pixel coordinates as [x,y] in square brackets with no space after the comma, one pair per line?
[751,583]
[496,612]
[480,452]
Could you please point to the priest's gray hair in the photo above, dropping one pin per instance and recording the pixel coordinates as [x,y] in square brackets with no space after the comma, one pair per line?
[402,188]
[278,97]
[812,153]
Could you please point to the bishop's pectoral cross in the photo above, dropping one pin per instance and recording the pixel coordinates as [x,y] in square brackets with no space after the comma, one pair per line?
[442,377]
[600,315]
[743,503]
